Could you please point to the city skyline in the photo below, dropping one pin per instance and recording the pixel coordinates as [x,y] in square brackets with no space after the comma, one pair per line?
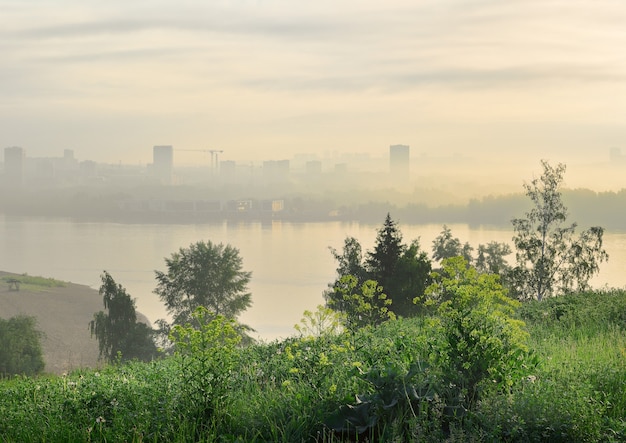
[509,82]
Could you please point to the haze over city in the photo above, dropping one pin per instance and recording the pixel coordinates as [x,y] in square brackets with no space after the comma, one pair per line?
[507,83]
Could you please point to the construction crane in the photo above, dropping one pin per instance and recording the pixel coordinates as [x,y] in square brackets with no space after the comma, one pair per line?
[214,155]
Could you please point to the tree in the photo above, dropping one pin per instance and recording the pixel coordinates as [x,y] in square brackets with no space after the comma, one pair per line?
[117,330]
[20,346]
[363,305]
[350,261]
[411,277]
[204,274]
[381,262]
[491,258]
[549,258]
[402,271]
[446,246]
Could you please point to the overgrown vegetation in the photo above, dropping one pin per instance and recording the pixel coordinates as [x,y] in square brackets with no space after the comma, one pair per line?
[398,381]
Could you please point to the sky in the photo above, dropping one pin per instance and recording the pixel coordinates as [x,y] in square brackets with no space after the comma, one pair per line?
[506,81]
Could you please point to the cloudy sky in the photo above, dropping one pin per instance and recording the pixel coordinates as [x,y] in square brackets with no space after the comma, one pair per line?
[273,78]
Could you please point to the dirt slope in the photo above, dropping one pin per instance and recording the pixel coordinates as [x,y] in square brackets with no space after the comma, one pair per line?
[63,315]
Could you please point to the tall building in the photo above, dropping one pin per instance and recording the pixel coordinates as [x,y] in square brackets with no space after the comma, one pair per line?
[14,160]
[163,163]
[399,162]
[276,170]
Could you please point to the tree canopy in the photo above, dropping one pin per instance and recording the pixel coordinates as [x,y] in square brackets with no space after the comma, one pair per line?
[550,259]
[403,272]
[20,346]
[117,330]
[204,274]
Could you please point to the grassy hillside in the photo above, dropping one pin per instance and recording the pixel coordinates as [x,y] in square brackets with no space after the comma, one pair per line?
[394,382]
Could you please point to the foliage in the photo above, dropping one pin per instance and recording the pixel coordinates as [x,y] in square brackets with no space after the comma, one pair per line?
[117,330]
[295,389]
[490,257]
[446,246]
[388,248]
[481,339]
[402,271]
[321,322]
[205,354]
[20,346]
[396,395]
[364,305]
[550,260]
[350,261]
[204,274]
[411,277]
[583,312]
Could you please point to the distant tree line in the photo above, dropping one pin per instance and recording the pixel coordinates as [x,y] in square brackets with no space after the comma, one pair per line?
[587,207]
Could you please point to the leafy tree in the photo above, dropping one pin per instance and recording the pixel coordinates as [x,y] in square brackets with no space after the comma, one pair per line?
[204,274]
[362,305]
[350,261]
[550,259]
[20,346]
[447,246]
[117,330]
[491,258]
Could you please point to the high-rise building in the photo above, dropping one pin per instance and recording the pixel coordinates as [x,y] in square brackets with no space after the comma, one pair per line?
[163,163]
[399,162]
[276,170]
[14,160]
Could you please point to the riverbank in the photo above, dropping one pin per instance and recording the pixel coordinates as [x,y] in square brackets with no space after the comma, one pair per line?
[63,314]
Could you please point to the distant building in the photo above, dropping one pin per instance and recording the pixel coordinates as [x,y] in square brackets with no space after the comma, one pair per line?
[399,162]
[313,168]
[341,168]
[163,163]
[14,161]
[276,170]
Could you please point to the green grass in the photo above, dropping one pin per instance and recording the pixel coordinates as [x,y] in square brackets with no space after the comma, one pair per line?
[296,389]
[32,283]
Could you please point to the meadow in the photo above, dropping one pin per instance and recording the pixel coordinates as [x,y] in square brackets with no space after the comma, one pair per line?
[395,382]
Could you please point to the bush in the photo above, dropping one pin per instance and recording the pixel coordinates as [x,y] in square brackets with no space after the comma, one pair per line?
[20,352]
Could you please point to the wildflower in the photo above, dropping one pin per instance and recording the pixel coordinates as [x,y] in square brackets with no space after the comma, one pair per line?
[114,402]
[100,419]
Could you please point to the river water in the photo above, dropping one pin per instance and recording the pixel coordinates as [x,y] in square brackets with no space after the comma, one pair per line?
[290,262]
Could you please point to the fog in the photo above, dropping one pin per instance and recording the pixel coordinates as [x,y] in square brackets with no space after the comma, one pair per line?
[416,187]
[503,84]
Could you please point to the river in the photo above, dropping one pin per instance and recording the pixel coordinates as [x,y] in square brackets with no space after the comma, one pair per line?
[290,262]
